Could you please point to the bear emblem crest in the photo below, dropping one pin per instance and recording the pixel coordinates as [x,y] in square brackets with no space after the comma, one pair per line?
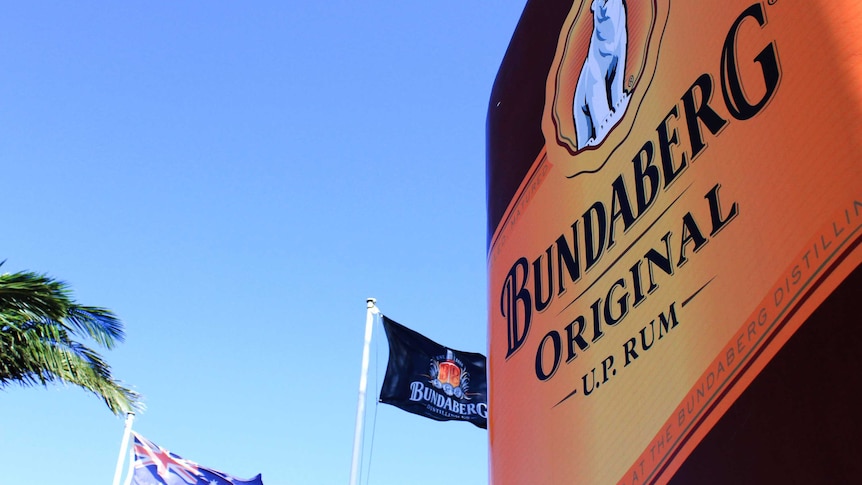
[606,57]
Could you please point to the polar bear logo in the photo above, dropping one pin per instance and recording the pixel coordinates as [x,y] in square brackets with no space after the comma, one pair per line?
[600,100]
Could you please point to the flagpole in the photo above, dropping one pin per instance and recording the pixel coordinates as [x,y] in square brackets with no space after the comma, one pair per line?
[127,431]
[363,383]
[131,471]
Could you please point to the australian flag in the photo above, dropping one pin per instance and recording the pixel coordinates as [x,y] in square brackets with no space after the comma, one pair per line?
[434,381]
[155,465]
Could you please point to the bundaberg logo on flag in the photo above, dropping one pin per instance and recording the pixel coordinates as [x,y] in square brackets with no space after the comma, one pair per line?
[428,379]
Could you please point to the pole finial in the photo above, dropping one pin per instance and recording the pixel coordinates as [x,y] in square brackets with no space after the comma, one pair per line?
[370,302]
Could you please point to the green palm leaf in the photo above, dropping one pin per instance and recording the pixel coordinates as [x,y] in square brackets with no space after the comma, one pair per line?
[40,331]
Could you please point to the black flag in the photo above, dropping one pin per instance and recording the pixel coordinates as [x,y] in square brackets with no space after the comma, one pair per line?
[428,379]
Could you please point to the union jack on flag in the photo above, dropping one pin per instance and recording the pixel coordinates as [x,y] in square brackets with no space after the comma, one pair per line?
[155,465]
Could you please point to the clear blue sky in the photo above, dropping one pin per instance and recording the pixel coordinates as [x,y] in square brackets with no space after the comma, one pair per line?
[234,179]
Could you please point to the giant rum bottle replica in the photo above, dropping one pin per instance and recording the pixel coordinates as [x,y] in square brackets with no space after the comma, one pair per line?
[674,219]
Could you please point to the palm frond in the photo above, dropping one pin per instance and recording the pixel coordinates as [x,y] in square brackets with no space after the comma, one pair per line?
[39,326]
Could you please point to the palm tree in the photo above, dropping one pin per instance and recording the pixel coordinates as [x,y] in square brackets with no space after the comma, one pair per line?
[40,325]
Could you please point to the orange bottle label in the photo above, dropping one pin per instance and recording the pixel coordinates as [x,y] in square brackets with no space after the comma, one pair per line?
[698,195]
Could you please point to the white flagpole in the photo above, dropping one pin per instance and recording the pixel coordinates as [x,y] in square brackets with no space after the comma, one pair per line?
[131,472]
[363,383]
[130,417]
